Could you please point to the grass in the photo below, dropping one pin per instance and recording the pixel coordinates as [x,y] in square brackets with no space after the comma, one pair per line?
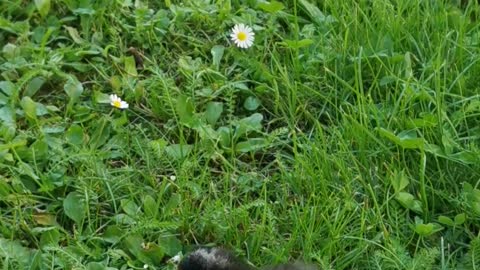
[347,136]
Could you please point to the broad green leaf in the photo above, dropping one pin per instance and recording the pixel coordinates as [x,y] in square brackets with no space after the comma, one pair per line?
[154,253]
[424,229]
[44,219]
[225,136]
[409,140]
[240,86]
[465,157]
[33,86]
[217,54]
[50,238]
[5,189]
[150,206]
[74,89]
[10,51]
[446,221]
[43,7]
[39,149]
[96,266]
[24,153]
[113,234]
[188,65]
[253,144]
[130,207]
[427,120]
[389,135]
[313,11]
[29,107]
[17,142]
[271,7]
[427,229]
[405,139]
[172,204]
[5,156]
[387,80]
[53,129]
[134,244]
[408,201]
[100,97]
[39,33]
[116,82]
[74,135]
[468,188]
[475,207]
[51,108]
[130,66]
[178,151]
[84,11]
[434,149]
[14,251]
[247,124]
[74,35]
[101,134]
[213,112]
[124,219]
[251,103]
[7,87]
[185,110]
[75,207]
[399,181]
[7,115]
[417,207]
[26,169]
[206,132]
[170,244]
[460,219]
[3,99]
[87,53]
[41,109]
[148,253]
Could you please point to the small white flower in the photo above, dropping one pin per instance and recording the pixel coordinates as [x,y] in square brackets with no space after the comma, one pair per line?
[145,266]
[242,35]
[173,177]
[117,102]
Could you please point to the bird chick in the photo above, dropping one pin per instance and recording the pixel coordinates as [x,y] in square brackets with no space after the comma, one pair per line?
[212,259]
[221,259]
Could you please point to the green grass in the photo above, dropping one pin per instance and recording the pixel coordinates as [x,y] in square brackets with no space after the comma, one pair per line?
[347,136]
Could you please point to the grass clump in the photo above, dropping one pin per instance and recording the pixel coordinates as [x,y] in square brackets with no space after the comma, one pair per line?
[346,136]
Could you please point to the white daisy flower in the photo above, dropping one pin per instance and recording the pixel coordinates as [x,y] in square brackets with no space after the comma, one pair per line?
[173,177]
[117,102]
[242,35]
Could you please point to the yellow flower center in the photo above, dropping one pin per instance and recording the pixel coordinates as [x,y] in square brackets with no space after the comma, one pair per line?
[242,36]
[117,103]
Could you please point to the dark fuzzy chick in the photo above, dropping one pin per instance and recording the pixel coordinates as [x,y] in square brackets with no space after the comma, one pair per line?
[221,259]
[212,259]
